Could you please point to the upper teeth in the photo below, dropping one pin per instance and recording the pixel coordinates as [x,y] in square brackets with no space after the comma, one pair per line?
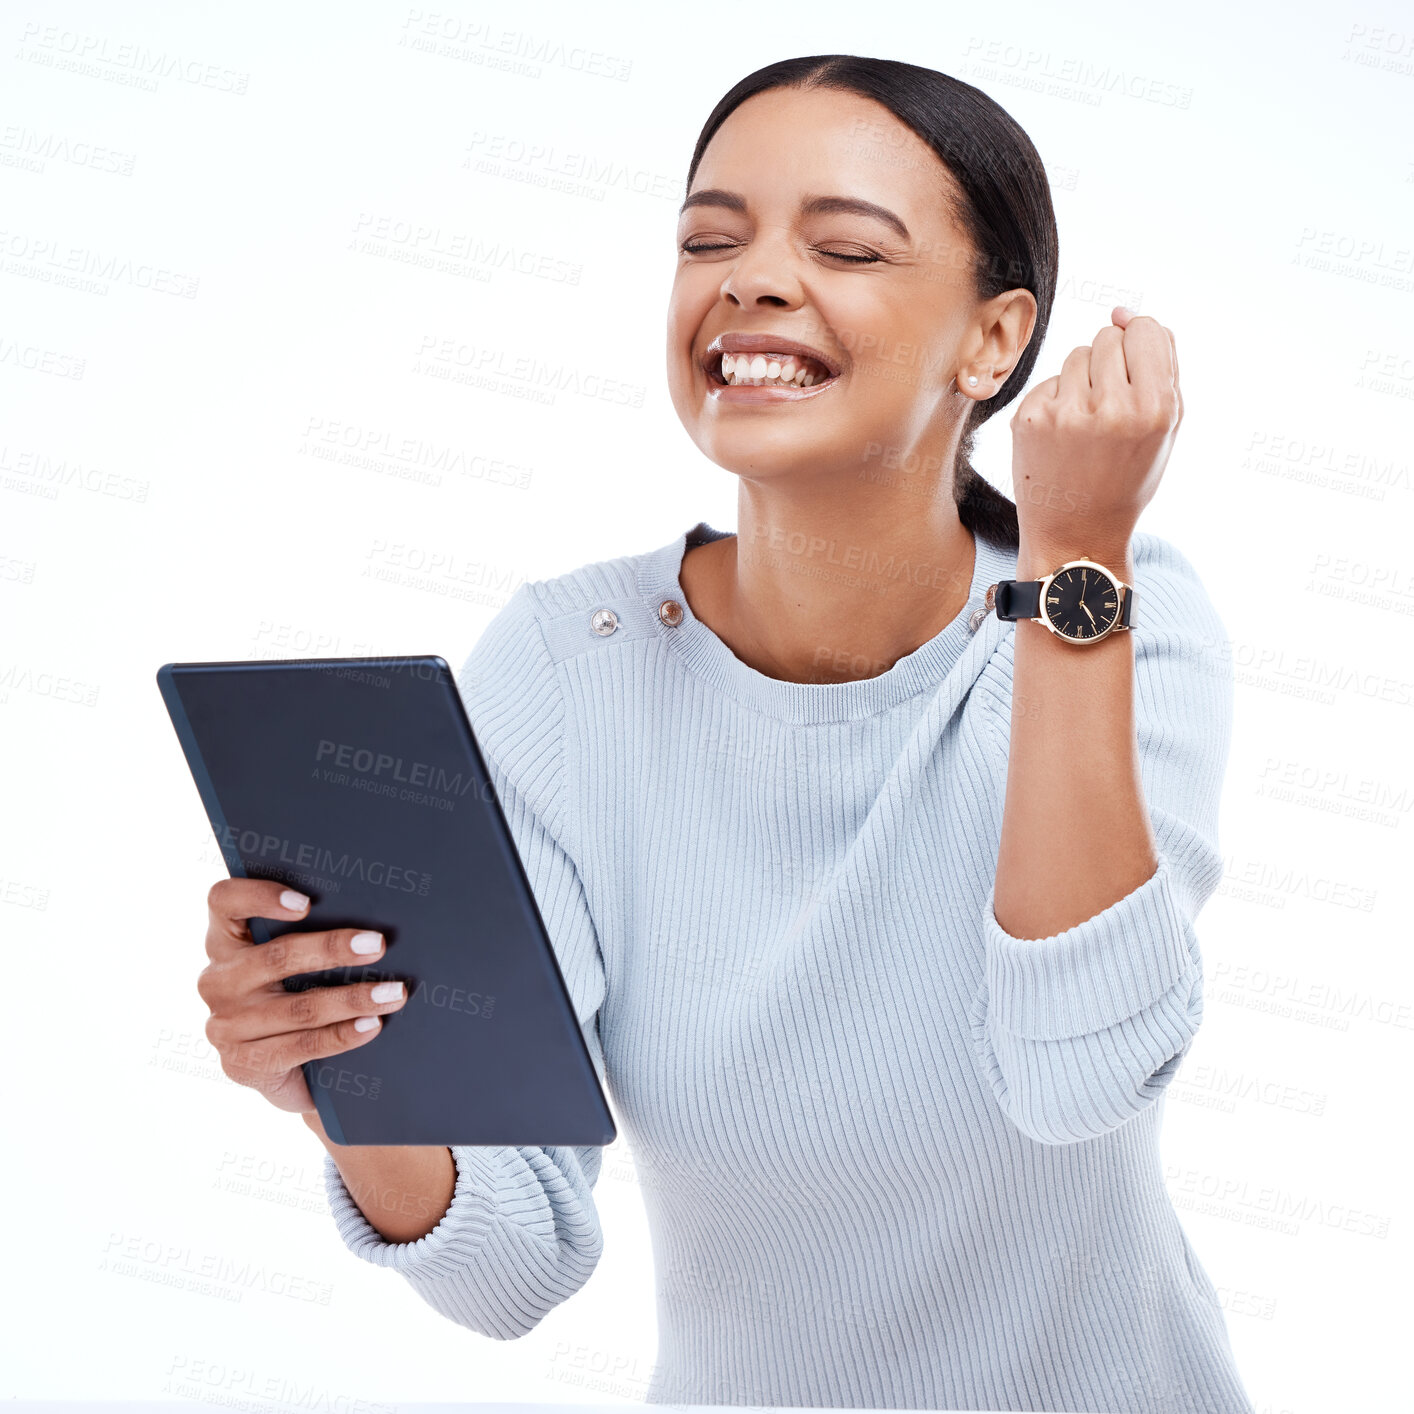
[771,368]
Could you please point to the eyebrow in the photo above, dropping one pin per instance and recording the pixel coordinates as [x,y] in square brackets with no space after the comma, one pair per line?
[811,206]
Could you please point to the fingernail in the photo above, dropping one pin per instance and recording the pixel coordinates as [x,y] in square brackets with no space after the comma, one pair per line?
[366,942]
[387,992]
[365,1023]
[294,900]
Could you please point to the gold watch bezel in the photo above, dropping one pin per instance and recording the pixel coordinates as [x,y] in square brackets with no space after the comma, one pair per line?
[1120,587]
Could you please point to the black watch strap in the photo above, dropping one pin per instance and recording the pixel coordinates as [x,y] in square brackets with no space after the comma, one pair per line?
[1021,599]
[1018,599]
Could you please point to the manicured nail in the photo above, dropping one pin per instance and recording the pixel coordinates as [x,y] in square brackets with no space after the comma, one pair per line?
[366,942]
[295,901]
[387,992]
[365,1023]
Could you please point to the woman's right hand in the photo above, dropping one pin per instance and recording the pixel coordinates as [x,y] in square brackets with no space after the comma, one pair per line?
[263,1032]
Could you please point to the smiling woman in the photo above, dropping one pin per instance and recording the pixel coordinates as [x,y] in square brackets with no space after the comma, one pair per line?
[902,200]
[877,906]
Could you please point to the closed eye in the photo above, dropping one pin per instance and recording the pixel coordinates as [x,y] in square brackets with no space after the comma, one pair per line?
[857,259]
[869,259]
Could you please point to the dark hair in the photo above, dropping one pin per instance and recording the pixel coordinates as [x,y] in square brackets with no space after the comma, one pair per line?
[1005,209]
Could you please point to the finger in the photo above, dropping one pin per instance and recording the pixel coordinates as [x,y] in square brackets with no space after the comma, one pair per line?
[314,1007]
[1032,406]
[293,954]
[231,984]
[1074,383]
[1148,354]
[1108,373]
[231,903]
[257,1062]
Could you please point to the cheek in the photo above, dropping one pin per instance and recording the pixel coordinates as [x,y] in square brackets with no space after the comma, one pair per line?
[906,359]
[685,316]
[872,326]
[694,290]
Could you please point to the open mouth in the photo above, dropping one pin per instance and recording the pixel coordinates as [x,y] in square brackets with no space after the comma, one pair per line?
[767,370]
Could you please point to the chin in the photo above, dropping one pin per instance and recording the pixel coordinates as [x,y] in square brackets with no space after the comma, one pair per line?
[764,457]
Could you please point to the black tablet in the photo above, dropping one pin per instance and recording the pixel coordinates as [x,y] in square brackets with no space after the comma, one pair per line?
[359,782]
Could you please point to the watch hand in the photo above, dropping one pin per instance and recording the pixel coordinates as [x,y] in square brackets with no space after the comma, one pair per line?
[1084,585]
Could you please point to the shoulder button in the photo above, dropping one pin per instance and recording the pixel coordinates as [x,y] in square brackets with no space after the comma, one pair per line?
[604,622]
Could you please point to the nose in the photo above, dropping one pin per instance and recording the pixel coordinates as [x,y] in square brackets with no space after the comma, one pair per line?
[764,273]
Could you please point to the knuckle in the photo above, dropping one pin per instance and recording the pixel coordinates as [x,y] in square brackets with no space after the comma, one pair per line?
[309,1045]
[277,1055]
[349,1038]
[1155,414]
[216,893]
[276,953]
[303,1007]
[290,1050]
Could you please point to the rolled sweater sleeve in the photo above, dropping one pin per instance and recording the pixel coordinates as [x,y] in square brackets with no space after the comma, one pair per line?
[522,1232]
[1079,1032]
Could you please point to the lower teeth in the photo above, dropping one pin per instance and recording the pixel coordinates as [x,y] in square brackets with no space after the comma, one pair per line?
[808,381]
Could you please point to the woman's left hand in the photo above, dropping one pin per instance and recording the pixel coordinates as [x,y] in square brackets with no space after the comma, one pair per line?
[1089,446]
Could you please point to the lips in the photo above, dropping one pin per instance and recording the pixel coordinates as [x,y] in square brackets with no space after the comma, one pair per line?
[825,367]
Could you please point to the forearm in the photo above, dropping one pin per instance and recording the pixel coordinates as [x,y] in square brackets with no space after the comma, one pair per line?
[1076,835]
[403,1190]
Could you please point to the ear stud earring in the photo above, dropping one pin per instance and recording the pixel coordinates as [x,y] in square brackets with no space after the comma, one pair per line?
[972,379]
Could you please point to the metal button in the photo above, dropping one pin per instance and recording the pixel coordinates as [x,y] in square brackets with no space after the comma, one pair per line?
[989,602]
[670,611]
[604,622]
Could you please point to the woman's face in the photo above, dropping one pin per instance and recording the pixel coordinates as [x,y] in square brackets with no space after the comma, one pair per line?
[893,310]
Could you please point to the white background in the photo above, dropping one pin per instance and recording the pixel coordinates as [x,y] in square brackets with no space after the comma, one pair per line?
[162,497]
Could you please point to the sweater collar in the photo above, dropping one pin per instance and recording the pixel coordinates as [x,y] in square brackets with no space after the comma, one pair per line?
[957,647]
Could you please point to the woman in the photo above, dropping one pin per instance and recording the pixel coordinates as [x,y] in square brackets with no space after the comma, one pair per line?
[877,907]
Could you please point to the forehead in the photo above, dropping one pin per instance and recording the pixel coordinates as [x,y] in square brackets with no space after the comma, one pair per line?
[782,144]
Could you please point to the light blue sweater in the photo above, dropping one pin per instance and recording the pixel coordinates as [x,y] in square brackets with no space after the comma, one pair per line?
[892,1157]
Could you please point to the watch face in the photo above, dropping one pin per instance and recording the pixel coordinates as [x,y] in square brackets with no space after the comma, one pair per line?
[1081,602]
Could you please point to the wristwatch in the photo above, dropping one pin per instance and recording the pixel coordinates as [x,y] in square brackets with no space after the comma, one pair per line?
[1081,602]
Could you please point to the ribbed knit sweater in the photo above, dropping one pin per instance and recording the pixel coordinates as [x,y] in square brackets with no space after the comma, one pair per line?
[891,1155]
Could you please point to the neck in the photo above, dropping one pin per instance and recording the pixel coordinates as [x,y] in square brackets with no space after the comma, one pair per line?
[816,590]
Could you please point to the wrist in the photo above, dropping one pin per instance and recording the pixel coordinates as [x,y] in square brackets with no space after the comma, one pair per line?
[1036,558]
